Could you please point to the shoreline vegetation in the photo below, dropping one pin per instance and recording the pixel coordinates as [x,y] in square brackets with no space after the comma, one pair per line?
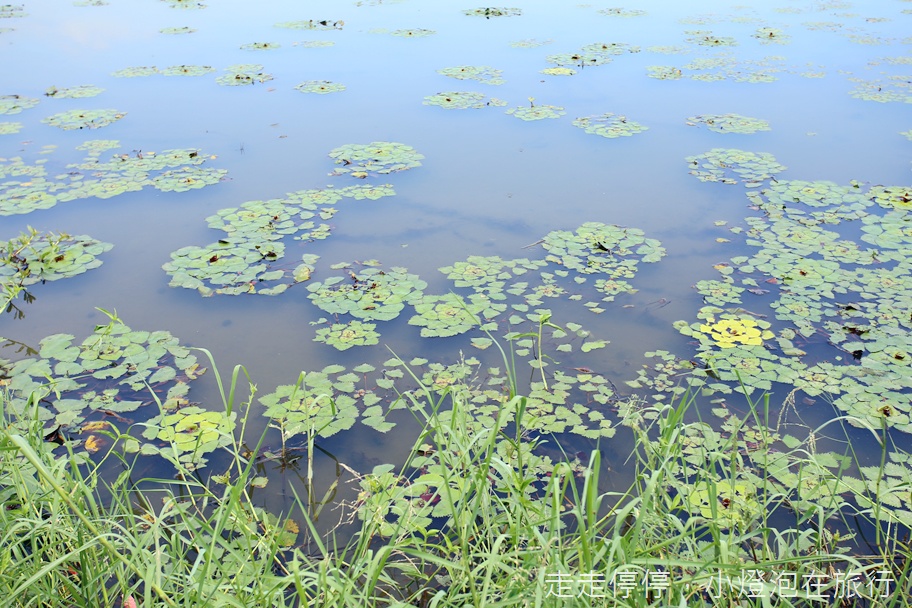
[737,514]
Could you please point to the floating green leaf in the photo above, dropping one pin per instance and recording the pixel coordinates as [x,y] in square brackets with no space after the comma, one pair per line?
[177,30]
[136,72]
[376,157]
[488,12]
[344,336]
[260,46]
[83,119]
[622,12]
[462,100]
[481,73]
[729,123]
[13,104]
[609,125]
[320,86]
[414,33]
[39,257]
[78,92]
[187,70]
[537,112]
[187,434]
[370,293]
[312,24]
[312,406]
[10,128]
[560,71]
[243,74]
[718,163]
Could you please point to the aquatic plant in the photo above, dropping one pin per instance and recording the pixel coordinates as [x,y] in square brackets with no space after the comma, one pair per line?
[462,100]
[83,119]
[320,86]
[729,123]
[481,73]
[609,125]
[381,157]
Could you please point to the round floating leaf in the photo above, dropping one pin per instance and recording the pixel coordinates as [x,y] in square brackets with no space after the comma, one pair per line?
[314,405]
[537,112]
[109,373]
[344,336]
[314,44]
[13,104]
[177,30]
[83,119]
[136,72]
[415,33]
[377,157]
[530,43]
[243,74]
[706,38]
[446,315]
[461,100]
[719,163]
[38,257]
[601,248]
[79,92]
[622,12]
[312,24]
[489,12]
[730,123]
[10,128]
[187,70]
[664,72]
[609,125]
[771,35]
[320,86]
[481,73]
[190,433]
[260,46]
[371,293]
[561,71]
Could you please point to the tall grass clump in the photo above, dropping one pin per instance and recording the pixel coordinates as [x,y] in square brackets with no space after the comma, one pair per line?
[477,515]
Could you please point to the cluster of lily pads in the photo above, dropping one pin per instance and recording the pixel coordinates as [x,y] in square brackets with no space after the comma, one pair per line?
[481,73]
[168,171]
[722,164]
[83,119]
[597,53]
[609,125]
[729,123]
[35,257]
[79,389]
[462,100]
[488,12]
[243,74]
[250,257]
[824,285]
[721,67]
[77,92]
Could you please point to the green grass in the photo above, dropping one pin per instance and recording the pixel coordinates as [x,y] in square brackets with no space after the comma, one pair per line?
[476,516]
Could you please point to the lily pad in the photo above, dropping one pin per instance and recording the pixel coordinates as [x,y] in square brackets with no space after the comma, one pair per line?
[380,157]
[13,104]
[344,336]
[174,31]
[462,100]
[559,71]
[187,70]
[83,119]
[312,24]
[260,46]
[136,72]
[371,293]
[413,33]
[10,128]
[320,86]
[446,315]
[538,112]
[481,73]
[771,35]
[488,12]
[35,257]
[719,163]
[115,370]
[78,92]
[609,125]
[622,12]
[188,434]
[314,405]
[243,74]
[729,123]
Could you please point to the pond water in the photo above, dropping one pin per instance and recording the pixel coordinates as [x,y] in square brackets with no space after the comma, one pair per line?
[831,80]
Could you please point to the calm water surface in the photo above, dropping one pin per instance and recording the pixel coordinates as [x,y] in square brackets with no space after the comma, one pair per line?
[490,184]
